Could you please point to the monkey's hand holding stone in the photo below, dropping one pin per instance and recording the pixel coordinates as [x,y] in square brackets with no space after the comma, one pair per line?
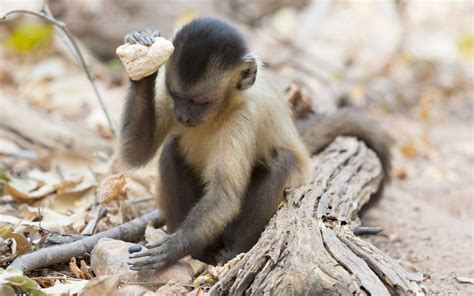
[143,53]
[158,255]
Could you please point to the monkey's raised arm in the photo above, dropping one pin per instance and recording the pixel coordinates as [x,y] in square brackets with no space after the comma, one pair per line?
[146,118]
[146,121]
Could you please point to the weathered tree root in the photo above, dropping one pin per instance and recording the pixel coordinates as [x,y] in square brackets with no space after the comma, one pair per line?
[130,231]
[308,248]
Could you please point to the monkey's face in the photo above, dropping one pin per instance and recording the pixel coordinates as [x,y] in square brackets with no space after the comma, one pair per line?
[197,103]
[190,111]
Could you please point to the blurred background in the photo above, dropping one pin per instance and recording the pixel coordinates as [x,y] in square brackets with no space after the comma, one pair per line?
[410,64]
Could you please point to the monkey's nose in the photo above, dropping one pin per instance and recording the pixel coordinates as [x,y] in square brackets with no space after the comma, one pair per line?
[185,120]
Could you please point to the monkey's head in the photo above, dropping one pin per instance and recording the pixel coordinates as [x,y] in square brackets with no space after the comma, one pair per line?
[209,64]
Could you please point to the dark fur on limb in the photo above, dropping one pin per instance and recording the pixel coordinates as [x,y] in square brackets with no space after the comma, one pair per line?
[130,231]
[309,247]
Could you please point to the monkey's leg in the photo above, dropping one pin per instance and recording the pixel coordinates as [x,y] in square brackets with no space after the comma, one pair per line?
[179,189]
[217,208]
[263,196]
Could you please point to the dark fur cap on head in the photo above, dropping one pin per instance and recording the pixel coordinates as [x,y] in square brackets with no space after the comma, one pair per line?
[206,40]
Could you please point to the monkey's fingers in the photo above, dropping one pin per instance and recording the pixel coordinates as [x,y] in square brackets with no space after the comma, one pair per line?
[141,38]
[154,244]
[155,262]
[146,36]
[150,252]
[142,261]
[130,39]
[156,266]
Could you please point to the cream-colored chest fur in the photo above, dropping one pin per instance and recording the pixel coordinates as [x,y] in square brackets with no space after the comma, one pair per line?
[258,124]
[197,146]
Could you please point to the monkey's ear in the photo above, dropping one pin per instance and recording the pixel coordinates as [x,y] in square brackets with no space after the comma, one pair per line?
[248,73]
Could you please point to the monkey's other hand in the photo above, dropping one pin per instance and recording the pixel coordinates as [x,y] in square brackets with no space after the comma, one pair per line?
[158,255]
[144,37]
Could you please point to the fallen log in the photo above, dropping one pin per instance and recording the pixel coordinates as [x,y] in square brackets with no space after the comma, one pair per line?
[309,247]
[130,231]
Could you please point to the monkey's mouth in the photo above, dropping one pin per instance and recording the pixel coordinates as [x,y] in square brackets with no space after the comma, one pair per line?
[189,124]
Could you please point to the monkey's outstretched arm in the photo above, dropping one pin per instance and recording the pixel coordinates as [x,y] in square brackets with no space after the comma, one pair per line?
[203,224]
[228,178]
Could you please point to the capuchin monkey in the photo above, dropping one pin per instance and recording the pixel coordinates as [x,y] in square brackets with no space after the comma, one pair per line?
[229,146]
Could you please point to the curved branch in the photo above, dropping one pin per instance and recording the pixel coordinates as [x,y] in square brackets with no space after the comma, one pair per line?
[130,231]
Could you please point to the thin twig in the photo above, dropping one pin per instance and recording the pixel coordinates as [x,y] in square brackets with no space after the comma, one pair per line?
[367,230]
[129,231]
[60,33]
[62,26]
[55,278]
[64,239]
[154,283]
[90,227]
[144,199]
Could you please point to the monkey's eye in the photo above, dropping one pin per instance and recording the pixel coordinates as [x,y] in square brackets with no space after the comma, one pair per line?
[174,95]
[202,104]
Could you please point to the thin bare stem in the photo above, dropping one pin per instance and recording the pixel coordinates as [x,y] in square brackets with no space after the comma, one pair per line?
[63,27]
[61,34]
[367,230]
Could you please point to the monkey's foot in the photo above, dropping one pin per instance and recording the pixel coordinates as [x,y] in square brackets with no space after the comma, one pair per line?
[157,255]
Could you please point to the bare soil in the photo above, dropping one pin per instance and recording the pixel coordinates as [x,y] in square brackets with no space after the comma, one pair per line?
[428,218]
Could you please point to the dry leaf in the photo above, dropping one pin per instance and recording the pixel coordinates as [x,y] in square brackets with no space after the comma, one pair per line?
[400,173]
[196,292]
[75,269]
[112,188]
[21,246]
[31,190]
[52,221]
[67,185]
[104,132]
[102,285]
[206,280]
[300,105]
[74,198]
[465,280]
[27,190]
[86,270]
[214,273]
[65,287]
[425,106]
[23,285]
[408,150]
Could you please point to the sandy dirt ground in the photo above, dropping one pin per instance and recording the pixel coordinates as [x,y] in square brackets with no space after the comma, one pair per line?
[428,218]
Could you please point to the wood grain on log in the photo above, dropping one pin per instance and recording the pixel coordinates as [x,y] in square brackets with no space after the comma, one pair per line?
[308,248]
